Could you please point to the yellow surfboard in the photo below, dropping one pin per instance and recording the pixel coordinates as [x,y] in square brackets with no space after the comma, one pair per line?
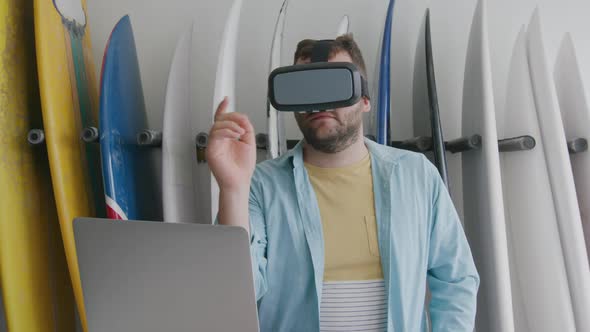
[68,88]
[36,286]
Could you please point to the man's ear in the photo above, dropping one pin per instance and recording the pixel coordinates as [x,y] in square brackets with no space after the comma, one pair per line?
[366,102]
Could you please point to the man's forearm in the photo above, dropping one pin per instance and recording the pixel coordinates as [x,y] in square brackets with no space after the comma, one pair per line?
[233,208]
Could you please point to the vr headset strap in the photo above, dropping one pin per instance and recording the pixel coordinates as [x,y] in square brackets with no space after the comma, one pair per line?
[321,50]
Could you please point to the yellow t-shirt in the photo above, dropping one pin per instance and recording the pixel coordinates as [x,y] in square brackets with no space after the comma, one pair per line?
[347,209]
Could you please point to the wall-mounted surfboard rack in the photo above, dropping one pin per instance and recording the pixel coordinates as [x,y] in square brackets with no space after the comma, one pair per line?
[416,144]
[474,142]
[90,135]
[149,138]
[521,143]
[577,145]
[36,136]
[152,138]
[261,144]
[262,141]
[201,141]
[464,144]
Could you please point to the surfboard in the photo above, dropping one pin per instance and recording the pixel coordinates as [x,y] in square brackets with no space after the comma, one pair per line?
[343,26]
[277,142]
[575,114]
[225,78]
[180,173]
[130,189]
[69,101]
[536,257]
[560,175]
[484,221]
[438,142]
[36,288]
[384,93]
[426,116]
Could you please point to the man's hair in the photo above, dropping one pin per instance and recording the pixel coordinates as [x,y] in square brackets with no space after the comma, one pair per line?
[344,43]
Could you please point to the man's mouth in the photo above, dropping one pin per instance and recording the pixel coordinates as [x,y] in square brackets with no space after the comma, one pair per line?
[318,115]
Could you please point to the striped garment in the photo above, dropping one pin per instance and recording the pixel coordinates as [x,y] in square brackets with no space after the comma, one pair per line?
[353,306]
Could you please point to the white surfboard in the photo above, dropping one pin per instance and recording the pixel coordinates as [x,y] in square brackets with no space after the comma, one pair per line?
[560,175]
[575,114]
[277,143]
[179,161]
[484,209]
[370,118]
[343,26]
[536,257]
[225,79]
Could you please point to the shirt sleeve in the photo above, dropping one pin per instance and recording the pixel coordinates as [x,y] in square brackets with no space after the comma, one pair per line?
[452,276]
[257,243]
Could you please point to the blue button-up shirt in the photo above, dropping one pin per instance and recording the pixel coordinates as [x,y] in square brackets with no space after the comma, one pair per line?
[421,241]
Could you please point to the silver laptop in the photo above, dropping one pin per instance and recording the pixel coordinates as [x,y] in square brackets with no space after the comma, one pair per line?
[154,276]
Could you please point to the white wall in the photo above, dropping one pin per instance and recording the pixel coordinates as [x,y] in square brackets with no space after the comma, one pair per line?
[158,25]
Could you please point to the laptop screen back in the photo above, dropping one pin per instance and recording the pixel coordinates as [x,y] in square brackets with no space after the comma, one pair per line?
[154,276]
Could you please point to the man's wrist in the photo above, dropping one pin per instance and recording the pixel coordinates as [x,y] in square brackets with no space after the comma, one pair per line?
[237,191]
[233,206]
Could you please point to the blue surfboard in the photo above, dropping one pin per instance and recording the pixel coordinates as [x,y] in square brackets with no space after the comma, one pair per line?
[384,94]
[129,177]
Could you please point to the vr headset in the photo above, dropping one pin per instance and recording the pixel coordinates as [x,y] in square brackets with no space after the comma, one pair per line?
[316,86]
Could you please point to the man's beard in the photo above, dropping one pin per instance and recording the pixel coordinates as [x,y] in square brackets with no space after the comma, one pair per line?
[340,137]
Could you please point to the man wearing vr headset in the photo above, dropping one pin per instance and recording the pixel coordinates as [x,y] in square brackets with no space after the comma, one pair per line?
[345,233]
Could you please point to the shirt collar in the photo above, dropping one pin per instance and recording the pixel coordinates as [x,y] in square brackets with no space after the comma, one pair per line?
[376,150]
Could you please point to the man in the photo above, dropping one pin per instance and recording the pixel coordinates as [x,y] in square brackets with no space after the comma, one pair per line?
[345,233]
